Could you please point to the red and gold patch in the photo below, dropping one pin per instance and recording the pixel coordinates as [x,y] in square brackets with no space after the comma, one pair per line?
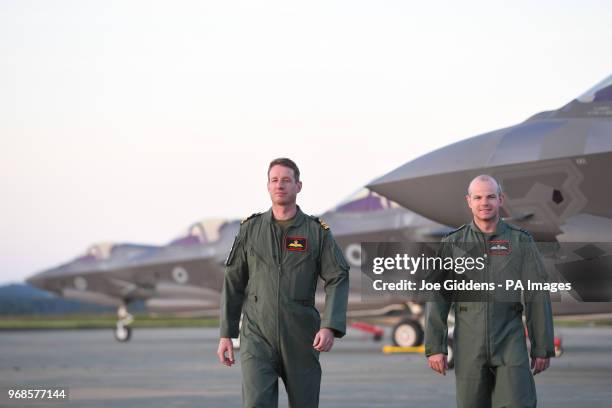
[297,244]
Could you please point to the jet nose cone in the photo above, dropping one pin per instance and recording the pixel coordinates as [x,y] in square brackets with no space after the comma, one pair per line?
[434,184]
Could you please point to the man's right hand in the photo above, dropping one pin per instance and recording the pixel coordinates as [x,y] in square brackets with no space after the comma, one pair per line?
[438,363]
[225,345]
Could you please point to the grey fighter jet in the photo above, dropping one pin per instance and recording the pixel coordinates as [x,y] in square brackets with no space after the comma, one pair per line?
[553,168]
[182,277]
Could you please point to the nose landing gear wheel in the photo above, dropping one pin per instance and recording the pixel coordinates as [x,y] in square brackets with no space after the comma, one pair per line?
[123,333]
[407,333]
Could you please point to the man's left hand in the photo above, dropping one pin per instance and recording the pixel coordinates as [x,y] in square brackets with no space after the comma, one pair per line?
[324,340]
[539,364]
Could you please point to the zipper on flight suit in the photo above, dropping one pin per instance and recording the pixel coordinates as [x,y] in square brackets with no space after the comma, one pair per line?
[280,246]
[282,255]
[488,334]
[278,283]
[487,275]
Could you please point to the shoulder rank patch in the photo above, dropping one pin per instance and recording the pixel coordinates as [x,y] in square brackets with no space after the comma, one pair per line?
[455,230]
[249,217]
[517,228]
[323,224]
[320,221]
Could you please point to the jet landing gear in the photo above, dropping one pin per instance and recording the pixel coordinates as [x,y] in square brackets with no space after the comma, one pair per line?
[407,333]
[123,331]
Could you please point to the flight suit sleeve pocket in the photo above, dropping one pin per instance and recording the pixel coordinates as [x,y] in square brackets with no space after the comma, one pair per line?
[232,252]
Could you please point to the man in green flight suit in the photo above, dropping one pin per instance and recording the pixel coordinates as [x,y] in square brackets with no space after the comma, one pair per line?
[491,361]
[271,277]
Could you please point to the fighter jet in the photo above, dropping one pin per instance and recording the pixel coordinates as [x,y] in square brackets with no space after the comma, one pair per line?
[182,277]
[186,276]
[552,168]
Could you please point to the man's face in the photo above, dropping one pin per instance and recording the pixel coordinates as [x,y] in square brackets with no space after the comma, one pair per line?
[282,186]
[483,200]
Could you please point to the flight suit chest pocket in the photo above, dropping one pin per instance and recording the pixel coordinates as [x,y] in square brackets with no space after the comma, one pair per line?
[302,268]
[257,263]
[506,266]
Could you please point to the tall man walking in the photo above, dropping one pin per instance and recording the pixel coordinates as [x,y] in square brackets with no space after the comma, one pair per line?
[271,277]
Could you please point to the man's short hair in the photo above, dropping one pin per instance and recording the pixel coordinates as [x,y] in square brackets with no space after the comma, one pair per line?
[486,177]
[284,161]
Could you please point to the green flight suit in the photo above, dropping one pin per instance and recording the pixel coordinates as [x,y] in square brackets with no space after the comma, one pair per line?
[271,277]
[491,361]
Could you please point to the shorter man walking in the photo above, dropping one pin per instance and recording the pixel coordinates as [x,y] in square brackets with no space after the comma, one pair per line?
[491,361]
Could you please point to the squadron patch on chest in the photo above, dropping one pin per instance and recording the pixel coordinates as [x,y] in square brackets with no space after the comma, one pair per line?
[499,247]
[297,244]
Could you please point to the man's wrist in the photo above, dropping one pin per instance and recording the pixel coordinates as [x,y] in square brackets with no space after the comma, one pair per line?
[335,332]
[541,353]
[432,349]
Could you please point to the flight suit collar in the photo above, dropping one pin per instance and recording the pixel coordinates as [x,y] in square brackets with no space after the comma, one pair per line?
[500,228]
[299,217]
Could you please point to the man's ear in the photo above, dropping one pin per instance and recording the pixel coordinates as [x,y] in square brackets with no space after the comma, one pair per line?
[502,199]
[467,199]
[299,186]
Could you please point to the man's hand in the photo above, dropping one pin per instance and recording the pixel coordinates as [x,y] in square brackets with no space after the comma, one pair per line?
[438,363]
[539,364]
[225,345]
[324,340]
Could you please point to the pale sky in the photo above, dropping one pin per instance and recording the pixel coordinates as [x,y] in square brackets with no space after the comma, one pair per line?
[129,120]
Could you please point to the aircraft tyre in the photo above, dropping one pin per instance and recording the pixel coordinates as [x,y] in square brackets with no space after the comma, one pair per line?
[123,333]
[407,333]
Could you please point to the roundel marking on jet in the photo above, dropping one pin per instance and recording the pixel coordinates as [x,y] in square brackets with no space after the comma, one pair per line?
[353,254]
[80,283]
[180,275]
